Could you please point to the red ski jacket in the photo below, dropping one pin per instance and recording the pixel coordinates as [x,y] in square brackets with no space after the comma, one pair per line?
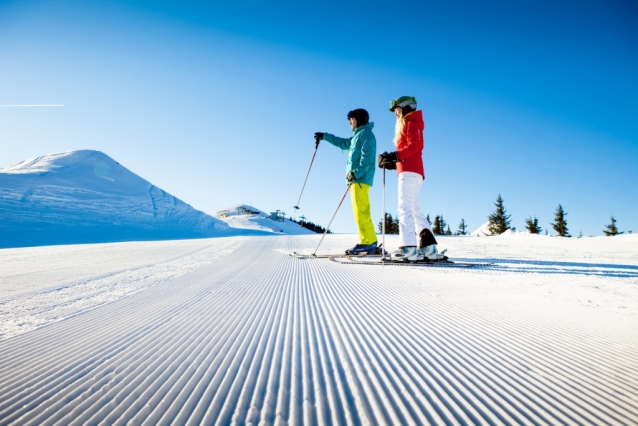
[410,145]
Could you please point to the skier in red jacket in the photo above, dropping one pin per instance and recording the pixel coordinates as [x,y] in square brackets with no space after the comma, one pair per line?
[408,162]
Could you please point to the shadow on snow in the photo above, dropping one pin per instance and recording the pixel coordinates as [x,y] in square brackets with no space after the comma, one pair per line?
[549,267]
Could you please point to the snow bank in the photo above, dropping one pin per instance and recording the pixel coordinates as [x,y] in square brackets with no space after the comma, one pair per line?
[482,231]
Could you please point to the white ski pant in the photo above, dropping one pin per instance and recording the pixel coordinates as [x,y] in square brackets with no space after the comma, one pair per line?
[411,220]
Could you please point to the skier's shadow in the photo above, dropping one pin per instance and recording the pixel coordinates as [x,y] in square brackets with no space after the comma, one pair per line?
[547,267]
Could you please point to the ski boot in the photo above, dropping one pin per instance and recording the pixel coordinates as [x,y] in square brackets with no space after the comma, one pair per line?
[362,249]
[431,254]
[430,250]
[427,248]
[405,254]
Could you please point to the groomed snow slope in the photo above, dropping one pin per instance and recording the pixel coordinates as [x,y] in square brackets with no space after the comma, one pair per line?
[260,337]
[86,196]
[43,285]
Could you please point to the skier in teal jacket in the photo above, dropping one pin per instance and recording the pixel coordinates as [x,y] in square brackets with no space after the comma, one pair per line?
[362,151]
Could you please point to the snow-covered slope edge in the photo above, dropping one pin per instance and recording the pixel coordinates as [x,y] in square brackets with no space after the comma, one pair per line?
[242,216]
[87,197]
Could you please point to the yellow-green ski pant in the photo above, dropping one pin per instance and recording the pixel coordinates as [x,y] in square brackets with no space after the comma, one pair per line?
[359,195]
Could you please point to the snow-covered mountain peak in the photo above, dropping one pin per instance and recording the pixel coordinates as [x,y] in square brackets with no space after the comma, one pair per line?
[59,162]
[239,210]
[85,169]
[86,196]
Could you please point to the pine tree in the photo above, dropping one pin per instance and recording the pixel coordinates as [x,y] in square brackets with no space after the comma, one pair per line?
[391,224]
[428,218]
[560,224]
[439,225]
[532,225]
[437,228]
[448,231]
[462,228]
[499,221]
[612,229]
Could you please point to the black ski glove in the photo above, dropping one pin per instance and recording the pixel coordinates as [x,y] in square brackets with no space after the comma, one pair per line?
[387,160]
[318,138]
[350,177]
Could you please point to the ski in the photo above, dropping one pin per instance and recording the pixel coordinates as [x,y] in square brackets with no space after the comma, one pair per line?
[328,256]
[343,254]
[438,264]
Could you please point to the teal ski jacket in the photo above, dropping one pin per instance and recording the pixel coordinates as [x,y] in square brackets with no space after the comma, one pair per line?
[362,149]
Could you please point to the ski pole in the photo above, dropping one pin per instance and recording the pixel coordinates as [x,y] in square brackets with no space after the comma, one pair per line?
[383,227]
[333,217]
[296,207]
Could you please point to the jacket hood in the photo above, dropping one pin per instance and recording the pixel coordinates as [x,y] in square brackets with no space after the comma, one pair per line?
[368,125]
[415,115]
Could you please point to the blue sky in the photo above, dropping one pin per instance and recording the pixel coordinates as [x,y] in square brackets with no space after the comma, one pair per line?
[217,103]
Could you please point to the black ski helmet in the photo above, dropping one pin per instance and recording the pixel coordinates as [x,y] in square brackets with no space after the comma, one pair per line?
[361,115]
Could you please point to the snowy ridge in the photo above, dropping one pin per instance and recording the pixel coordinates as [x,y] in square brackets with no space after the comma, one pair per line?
[264,224]
[85,196]
[308,341]
[259,221]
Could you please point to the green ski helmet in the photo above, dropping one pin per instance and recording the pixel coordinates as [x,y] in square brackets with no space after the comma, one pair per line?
[402,102]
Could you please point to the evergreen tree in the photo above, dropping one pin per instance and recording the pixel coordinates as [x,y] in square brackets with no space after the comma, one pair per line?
[532,225]
[462,228]
[439,225]
[428,218]
[391,224]
[560,224]
[448,232]
[612,229]
[436,227]
[499,221]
